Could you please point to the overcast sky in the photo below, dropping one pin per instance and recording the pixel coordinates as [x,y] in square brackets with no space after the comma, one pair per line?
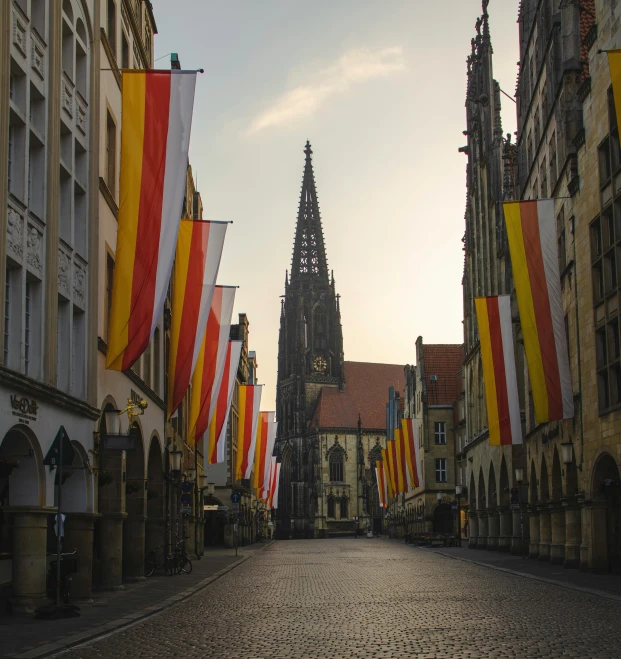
[378,88]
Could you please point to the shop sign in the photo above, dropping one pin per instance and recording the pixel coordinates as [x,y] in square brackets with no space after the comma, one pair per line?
[26,409]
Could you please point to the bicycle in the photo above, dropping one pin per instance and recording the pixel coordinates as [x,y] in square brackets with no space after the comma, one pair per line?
[156,560]
[180,561]
[68,566]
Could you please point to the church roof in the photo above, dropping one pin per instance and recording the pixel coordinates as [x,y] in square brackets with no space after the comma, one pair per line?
[365,393]
[442,361]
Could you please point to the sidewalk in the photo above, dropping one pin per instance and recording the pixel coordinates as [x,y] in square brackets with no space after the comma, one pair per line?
[602,585]
[24,636]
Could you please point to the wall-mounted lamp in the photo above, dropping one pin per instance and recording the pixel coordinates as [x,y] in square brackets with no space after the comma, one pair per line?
[567,450]
[175,461]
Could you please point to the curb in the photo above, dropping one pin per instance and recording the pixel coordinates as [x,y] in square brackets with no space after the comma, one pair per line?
[517,573]
[110,628]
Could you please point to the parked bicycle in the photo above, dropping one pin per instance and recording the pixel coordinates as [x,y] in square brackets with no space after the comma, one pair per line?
[68,566]
[175,563]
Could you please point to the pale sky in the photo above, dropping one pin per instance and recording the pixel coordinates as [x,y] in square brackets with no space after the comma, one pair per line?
[379,89]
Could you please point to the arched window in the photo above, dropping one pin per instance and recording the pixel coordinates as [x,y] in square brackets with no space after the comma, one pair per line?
[336,465]
[331,507]
[344,508]
[319,330]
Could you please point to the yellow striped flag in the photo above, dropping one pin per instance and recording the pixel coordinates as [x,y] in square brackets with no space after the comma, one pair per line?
[210,363]
[412,450]
[499,372]
[266,437]
[155,136]
[388,470]
[214,441]
[249,400]
[197,260]
[531,231]
[401,476]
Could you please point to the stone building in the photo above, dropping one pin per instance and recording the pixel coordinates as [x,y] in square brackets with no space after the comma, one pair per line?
[328,426]
[486,472]
[349,430]
[430,395]
[49,151]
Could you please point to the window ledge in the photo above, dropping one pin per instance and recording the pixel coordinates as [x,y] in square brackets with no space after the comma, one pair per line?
[111,58]
[107,195]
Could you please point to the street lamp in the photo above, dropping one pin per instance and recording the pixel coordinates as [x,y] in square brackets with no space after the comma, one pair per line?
[175,462]
[211,489]
[458,495]
[567,452]
[519,478]
[202,481]
[191,475]
[113,421]
[439,497]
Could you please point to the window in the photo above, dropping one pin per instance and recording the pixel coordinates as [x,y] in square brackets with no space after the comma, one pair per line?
[344,514]
[544,179]
[124,51]
[537,128]
[156,360]
[553,169]
[110,154]
[603,153]
[111,31]
[109,284]
[27,318]
[331,507]
[562,251]
[440,432]
[7,319]
[336,465]
[441,470]
[146,365]
[11,153]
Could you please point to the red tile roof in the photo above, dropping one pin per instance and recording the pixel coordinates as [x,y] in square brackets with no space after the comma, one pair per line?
[366,393]
[443,361]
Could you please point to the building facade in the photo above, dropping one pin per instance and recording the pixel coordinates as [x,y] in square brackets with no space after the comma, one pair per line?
[486,473]
[430,396]
[49,150]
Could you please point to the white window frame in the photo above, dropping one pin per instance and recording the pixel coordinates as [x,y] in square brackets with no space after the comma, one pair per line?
[439,432]
[441,470]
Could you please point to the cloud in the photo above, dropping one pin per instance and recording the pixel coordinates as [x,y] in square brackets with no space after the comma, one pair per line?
[353,67]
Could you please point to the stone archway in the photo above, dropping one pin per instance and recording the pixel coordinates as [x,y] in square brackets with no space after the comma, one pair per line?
[473,522]
[284,494]
[557,514]
[155,523]
[23,515]
[443,519]
[135,506]
[606,516]
[533,513]
[493,521]
[504,511]
[482,512]
[545,524]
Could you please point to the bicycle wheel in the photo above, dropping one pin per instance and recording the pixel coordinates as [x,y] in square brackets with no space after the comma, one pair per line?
[185,564]
[150,564]
[170,564]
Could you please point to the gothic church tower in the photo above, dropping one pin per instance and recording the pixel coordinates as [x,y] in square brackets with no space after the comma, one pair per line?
[310,357]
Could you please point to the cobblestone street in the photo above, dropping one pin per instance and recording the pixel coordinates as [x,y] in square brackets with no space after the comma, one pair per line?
[371,598]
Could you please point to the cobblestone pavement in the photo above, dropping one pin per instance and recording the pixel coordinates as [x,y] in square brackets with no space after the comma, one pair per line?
[337,599]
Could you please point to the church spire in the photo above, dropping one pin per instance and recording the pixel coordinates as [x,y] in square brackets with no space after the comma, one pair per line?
[309,260]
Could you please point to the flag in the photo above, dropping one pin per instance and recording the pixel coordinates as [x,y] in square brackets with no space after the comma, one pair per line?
[271,441]
[382,487]
[155,136]
[531,231]
[401,476]
[249,397]
[268,490]
[210,362]
[499,372]
[197,260]
[614,62]
[276,485]
[388,471]
[412,452]
[261,455]
[214,442]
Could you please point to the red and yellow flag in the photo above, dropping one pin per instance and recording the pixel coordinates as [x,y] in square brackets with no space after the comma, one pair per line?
[155,136]
[249,400]
[531,231]
[210,361]
[401,479]
[214,441]
[410,440]
[197,260]
[614,62]
[265,432]
[499,372]
[388,469]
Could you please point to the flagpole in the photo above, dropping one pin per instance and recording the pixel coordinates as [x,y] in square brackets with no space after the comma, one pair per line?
[58,515]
